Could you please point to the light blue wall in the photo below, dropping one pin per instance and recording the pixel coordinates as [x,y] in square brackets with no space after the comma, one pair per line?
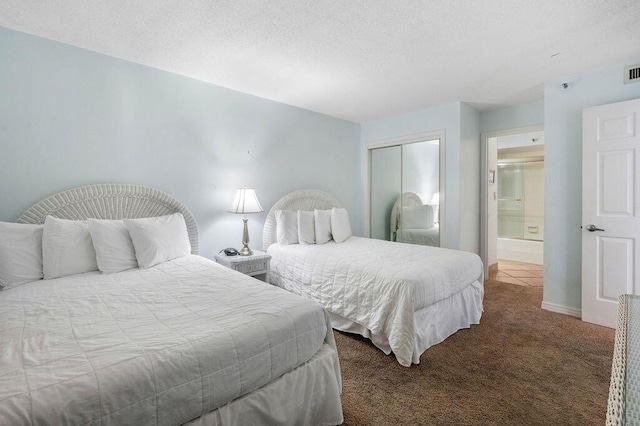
[563,175]
[512,117]
[469,179]
[446,117]
[71,117]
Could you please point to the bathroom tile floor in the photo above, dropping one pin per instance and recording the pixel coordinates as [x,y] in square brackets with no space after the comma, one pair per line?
[520,273]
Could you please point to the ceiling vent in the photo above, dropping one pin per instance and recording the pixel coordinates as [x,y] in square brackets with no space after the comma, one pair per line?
[632,74]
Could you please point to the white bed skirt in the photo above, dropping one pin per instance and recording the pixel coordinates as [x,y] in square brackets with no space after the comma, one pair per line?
[433,324]
[307,395]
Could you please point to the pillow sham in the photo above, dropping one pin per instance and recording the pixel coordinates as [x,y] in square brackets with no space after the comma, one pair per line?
[20,254]
[417,217]
[340,226]
[158,239]
[323,225]
[286,227]
[306,227]
[66,248]
[113,245]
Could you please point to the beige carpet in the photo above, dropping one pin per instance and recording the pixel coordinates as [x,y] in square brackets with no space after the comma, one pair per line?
[521,366]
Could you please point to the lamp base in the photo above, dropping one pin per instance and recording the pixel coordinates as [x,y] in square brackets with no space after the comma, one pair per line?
[245,251]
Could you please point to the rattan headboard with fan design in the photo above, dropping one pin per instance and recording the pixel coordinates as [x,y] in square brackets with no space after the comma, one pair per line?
[111,201]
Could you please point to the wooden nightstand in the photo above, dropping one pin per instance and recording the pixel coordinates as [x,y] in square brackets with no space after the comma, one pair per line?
[256,264]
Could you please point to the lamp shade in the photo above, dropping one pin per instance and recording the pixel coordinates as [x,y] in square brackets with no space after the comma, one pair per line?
[435,200]
[246,201]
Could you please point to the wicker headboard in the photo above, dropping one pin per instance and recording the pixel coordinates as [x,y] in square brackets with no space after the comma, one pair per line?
[304,199]
[408,199]
[111,201]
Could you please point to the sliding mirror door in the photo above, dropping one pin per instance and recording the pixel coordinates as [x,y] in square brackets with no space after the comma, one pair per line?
[406,184]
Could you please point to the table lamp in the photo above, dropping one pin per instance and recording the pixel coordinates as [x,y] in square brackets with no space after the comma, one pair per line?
[245,202]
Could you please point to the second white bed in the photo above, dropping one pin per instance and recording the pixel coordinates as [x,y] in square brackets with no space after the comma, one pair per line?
[404,297]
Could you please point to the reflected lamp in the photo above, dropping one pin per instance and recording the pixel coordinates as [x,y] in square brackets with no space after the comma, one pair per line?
[435,201]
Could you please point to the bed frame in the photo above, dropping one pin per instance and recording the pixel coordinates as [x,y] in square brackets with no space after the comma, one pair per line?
[310,199]
[111,201]
[118,201]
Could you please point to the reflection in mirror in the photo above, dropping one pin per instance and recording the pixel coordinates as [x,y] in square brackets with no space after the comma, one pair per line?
[405,193]
[414,222]
[418,222]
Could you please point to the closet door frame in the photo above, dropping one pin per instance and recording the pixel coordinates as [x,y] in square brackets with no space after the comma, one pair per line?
[404,140]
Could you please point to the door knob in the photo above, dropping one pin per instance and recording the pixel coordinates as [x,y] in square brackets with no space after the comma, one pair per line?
[593,228]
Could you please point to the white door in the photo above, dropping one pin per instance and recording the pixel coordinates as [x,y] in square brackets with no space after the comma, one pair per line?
[610,206]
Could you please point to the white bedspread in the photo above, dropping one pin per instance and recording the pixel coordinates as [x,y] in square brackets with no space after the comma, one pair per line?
[377,284]
[429,237]
[147,347]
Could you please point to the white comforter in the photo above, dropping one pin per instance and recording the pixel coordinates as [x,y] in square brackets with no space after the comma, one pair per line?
[377,284]
[156,346]
[429,237]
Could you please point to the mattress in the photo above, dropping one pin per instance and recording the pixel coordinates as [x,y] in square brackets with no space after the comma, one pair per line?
[158,346]
[377,284]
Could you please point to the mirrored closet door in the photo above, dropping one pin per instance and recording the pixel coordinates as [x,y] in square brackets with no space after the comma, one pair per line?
[406,184]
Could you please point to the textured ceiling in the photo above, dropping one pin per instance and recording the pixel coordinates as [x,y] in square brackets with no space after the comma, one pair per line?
[358,59]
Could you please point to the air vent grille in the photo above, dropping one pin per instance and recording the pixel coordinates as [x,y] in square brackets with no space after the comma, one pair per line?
[632,74]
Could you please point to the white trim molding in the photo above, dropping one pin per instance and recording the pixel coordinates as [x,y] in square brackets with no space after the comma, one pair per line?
[574,312]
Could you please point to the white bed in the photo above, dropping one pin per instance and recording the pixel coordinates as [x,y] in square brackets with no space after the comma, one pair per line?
[186,341]
[405,298]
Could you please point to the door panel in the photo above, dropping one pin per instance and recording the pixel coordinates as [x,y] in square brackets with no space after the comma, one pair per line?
[617,127]
[615,264]
[618,167]
[610,202]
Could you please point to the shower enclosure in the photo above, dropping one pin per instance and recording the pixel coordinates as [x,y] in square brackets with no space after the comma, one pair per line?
[521,200]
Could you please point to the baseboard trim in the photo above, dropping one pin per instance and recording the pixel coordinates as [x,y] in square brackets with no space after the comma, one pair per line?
[493,268]
[574,312]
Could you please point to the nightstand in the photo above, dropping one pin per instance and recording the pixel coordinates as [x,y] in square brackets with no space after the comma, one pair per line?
[256,264]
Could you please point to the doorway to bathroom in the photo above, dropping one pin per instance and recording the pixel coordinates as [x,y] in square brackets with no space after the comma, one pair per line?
[514,226]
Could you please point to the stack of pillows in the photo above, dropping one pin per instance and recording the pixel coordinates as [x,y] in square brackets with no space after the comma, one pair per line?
[63,247]
[312,227]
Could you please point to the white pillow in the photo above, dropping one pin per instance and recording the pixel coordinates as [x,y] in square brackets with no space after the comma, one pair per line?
[323,225]
[20,254]
[306,227]
[286,227]
[340,226]
[66,248]
[417,217]
[158,239]
[114,249]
